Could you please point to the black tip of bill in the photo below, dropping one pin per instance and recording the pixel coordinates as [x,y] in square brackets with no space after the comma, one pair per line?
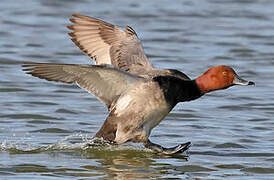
[239,81]
[251,83]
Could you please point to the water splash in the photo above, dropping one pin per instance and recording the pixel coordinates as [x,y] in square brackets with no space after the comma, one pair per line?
[76,141]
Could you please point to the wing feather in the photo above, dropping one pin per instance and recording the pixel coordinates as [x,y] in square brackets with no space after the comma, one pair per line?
[105,82]
[108,44]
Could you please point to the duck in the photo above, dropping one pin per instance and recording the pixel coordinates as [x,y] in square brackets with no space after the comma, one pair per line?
[138,96]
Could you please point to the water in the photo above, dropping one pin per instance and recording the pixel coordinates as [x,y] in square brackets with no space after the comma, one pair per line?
[45,126]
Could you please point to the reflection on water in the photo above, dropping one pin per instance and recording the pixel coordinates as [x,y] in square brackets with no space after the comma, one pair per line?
[45,127]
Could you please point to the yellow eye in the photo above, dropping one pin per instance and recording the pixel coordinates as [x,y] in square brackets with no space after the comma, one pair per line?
[224,73]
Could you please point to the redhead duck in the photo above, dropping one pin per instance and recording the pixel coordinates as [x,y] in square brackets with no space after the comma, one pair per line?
[137,95]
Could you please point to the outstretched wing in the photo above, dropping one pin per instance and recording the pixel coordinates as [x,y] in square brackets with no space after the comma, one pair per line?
[105,82]
[108,44]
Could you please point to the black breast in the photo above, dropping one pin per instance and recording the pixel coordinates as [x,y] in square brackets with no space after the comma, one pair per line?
[178,90]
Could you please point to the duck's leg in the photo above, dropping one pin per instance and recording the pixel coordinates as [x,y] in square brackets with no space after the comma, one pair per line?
[159,149]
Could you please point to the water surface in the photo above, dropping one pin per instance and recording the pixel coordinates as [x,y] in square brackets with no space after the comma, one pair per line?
[45,126]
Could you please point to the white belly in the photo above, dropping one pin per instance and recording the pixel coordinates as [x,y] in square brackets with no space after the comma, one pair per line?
[139,111]
[154,119]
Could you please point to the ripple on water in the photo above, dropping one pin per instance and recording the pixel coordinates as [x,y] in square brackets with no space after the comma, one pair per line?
[258,120]
[229,145]
[39,122]
[51,130]
[245,153]
[194,168]
[65,111]
[248,141]
[9,61]
[260,170]
[262,128]
[39,103]
[55,172]
[30,116]
[13,90]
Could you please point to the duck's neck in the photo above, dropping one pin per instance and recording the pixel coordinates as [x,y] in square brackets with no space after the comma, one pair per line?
[178,90]
[204,83]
